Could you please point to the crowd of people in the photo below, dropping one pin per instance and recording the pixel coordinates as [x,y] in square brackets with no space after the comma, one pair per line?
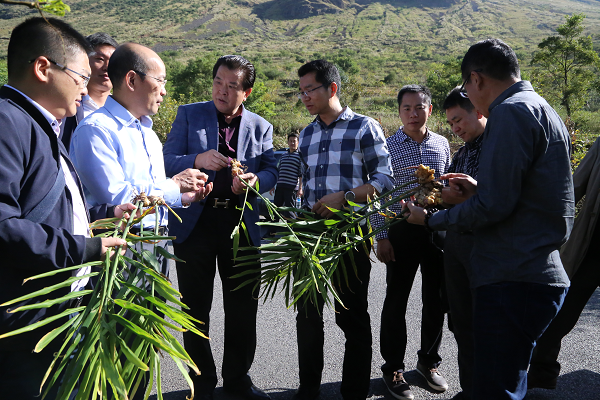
[78,144]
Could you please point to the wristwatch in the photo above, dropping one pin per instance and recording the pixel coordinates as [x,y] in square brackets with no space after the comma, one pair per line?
[349,196]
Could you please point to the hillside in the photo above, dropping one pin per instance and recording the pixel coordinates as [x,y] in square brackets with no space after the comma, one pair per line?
[408,31]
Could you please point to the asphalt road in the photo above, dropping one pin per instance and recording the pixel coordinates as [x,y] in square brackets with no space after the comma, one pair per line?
[275,368]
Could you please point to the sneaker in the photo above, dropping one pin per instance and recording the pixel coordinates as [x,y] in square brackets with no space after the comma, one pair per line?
[397,386]
[434,379]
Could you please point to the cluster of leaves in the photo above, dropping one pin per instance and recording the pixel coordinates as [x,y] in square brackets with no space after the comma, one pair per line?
[113,343]
[305,259]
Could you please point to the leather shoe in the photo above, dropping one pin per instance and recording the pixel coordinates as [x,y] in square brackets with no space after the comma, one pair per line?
[250,393]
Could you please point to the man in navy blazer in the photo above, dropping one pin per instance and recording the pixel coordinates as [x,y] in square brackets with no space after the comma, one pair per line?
[43,218]
[207,136]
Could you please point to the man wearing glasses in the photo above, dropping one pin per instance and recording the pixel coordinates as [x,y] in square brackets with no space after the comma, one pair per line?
[43,217]
[207,136]
[347,160]
[521,211]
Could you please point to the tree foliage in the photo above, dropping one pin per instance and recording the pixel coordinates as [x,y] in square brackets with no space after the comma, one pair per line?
[56,7]
[441,79]
[565,65]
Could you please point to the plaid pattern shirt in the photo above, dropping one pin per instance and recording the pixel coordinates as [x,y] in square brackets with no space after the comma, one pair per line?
[433,151]
[466,159]
[348,153]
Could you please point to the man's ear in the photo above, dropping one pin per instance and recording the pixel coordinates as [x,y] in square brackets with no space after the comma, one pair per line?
[247,93]
[477,80]
[41,69]
[430,110]
[334,89]
[131,79]
[479,115]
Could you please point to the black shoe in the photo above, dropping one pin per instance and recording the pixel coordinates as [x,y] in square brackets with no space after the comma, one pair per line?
[250,393]
[434,379]
[397,386]
[534,382]
[307,393]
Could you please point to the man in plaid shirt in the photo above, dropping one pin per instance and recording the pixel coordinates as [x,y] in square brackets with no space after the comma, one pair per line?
[404,247]
[347,160]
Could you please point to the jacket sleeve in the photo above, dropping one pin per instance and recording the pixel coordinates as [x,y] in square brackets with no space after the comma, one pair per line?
[175,150]
[267,169]
[582,174]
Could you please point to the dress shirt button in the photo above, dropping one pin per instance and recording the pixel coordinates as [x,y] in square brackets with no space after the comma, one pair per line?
[323,149]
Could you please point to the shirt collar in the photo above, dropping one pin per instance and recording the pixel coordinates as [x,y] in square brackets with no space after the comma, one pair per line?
[404,137]
[123,116]
[346,115]
[475,143]
[515,88]
[54,123]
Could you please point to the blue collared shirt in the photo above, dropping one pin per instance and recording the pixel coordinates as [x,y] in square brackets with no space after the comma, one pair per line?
[118,156]
[433,151]
[524,206]
[348,153]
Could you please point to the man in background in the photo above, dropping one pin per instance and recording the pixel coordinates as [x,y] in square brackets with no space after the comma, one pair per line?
[405,247]
[290,170]
[468,124]
[99,86]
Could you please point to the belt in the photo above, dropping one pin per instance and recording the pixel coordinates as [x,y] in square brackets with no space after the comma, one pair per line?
[162,230]
[222,203]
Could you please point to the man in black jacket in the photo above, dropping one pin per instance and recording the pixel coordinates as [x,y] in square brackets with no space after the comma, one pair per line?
[43,217]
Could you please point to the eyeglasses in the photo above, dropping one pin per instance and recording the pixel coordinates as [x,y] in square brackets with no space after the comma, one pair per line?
[462,90]
[86,79]
[306,93]
[161,81]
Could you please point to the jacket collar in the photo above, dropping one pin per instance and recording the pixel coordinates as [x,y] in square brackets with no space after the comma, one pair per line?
[521,86]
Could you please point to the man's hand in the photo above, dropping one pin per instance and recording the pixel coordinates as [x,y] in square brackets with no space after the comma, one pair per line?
[333,200]
[385,251]
[461,187]
[192,197]
[299,192]
[272,191]
[190,180]
[211,160]
[416,214]
[122,211]
[238,187]
[112,242]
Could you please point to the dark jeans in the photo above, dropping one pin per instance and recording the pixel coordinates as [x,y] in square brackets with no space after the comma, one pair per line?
[412,247]
[354,322]
[457,255]
[285,196]
[209,244]
[508,318]
[544,364]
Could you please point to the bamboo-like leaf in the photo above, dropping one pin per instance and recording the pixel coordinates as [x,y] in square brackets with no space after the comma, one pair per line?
[59,270]
[50,303]
[146,313]
[50,336]
[112,375]
[162,251]
[49,289]
[41,323]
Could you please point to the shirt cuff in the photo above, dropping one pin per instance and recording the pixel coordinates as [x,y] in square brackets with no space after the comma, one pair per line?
[437,221]
[171,193]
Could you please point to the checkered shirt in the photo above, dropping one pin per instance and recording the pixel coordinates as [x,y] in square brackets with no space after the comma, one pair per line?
[466,159]
[348,153]
[433,151]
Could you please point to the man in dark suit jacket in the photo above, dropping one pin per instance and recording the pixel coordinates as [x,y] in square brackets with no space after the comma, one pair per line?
[43,218]
[207,136]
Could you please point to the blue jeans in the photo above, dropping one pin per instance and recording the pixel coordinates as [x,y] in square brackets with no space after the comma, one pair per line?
[508,319]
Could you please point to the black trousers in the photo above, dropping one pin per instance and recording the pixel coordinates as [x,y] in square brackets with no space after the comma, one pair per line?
[457,255]
[285,196]
[21,374]
[413,246]
[354,322]
[544,364]
[209,244]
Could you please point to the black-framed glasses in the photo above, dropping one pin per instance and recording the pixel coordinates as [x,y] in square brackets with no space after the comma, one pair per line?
[161,81]
[86,79]
[306,93]
[462,90]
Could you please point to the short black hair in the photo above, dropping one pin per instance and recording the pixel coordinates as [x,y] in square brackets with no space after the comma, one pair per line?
[325,73]
[491,57]
[101,39]
[293,134]
[49,37]
[414,89]
[235,63]
[454,98]
[123,60]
